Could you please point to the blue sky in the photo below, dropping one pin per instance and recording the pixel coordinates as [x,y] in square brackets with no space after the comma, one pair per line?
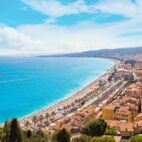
[55,26]
[16,12]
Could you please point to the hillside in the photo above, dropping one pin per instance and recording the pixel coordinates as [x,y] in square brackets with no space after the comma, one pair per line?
[120,53]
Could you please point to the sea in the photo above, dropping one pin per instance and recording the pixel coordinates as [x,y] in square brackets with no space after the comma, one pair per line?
[28,84]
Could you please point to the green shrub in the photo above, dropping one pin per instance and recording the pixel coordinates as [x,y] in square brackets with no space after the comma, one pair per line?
[95,128]
[137,138]
[82,138]
[61,136]
[111,131]
[103,139]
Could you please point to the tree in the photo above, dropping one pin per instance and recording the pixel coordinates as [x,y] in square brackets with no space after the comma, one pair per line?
[53,114]
[95,128]
[41,118]
[11,132]
[27,123]
[34,119]
[68,107]
[110,78]
[63,135]
[111,131]
[82,138]
[29,133]
[72,104]
[15,132]
[6,130]
[103,139]
[64,108]
[46,116]
[76,101]
[137,138]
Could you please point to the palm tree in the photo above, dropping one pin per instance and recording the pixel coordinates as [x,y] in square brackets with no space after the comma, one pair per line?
[76,100]
[53,114]
[85,97]
[64,108]
[41,118]
[68,106]
[79,100]
[47,116]
[72,104]
[34,119]
[27,123]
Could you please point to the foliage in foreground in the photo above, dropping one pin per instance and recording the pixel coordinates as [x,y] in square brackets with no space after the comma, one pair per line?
[137,138]
[103,139]
[13,133]
[61,136]
[111,131]
[81,138]
[95,128]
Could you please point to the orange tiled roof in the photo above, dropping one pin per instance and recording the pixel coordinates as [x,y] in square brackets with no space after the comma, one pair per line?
[138,123]
[113,123]
[138,117]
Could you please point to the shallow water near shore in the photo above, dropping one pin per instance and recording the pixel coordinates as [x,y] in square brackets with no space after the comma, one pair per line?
[30,84]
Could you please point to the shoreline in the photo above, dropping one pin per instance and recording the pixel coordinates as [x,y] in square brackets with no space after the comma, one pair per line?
[71,98]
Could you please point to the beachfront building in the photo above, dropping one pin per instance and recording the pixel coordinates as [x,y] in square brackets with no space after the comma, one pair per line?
[73,122]
[102,82]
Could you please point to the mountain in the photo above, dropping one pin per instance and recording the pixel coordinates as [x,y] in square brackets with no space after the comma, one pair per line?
[119,53]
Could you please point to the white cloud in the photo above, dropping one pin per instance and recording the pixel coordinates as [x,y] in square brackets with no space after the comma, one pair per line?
[11,38]
[50,38]
[54,8]
[116,7]
[84,36]
[12,41]
[87,35]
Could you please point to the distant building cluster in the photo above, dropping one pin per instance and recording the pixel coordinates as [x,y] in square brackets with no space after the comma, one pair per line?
[127,107]
[125,112]
[119,103]
[73,122]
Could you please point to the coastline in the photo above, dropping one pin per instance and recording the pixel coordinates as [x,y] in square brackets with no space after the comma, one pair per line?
[71,98]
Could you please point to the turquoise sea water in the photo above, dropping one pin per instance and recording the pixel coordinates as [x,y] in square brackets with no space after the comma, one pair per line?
[29,84]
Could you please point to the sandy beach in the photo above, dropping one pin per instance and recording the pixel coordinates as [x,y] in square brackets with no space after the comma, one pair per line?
[71,99]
